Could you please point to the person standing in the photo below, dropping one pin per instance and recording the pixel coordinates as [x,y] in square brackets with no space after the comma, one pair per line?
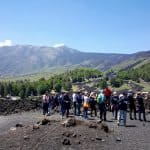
[114,103]
[141,107]
[61,104]
[74,99]
[67,103]
[107,94]
[85,105]
[45,100]
[93,103]
[132,106]
[101,105]
[79,102]
[122,114]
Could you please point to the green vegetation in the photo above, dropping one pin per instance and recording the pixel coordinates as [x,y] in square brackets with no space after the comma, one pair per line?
[122,87]
[139,76]
[116,82]
[63,81]
[142,72]
[102,84]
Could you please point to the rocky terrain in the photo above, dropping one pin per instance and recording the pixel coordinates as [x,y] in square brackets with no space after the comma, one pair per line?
[8,106]
[31,130]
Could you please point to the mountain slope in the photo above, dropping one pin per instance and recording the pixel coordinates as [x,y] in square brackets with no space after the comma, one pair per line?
[134,61]
[26,59]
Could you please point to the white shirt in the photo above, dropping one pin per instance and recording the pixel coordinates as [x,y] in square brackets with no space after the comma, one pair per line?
[74,97]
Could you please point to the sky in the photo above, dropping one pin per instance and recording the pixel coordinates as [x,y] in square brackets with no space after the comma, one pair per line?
[118,26]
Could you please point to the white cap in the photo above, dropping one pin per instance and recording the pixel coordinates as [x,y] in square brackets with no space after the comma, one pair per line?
[121,95]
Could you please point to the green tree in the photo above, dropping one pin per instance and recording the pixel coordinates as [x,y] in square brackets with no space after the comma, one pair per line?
[103,84]
[57,87]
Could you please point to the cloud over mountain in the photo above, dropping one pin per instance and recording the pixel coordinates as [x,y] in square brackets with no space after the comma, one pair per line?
[58,45]
[6,43]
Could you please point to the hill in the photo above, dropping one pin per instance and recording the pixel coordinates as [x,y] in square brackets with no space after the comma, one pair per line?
[28,59]
[134,61]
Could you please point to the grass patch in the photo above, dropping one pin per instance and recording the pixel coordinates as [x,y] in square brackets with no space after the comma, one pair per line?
[123,87]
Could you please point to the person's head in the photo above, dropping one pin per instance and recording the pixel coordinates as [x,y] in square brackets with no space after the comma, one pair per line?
[92,94]
[114,93]
[130,93]
[86,93]
[121,96]
[46,93]
[101,91]
[139,94]
[124,93]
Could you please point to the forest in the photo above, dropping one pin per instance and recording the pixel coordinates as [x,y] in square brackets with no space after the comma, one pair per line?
[142,72]
[63,81]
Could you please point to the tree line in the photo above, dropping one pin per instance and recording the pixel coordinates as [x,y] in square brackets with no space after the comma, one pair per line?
[25,88]
[142,72]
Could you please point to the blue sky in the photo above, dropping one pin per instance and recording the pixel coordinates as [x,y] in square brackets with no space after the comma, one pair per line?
[118,26]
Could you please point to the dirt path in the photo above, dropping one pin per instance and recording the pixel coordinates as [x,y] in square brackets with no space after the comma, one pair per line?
[6,122]
[133,137]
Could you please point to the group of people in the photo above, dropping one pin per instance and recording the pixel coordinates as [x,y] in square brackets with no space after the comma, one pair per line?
[85,104]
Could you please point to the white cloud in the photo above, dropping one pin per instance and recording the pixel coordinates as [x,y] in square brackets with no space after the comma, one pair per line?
[6,43]
[58,45]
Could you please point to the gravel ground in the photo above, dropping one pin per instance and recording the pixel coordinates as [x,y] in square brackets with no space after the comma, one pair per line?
[133,137]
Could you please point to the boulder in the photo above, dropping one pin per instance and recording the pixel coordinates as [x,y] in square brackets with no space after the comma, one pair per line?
[36,126]
[69,122]
[93,125]
[68,133]
[105,127]
[13,128]
[45,121]
[19,125]
[26,137]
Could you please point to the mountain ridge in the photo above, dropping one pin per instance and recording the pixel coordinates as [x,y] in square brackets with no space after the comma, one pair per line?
[25,59]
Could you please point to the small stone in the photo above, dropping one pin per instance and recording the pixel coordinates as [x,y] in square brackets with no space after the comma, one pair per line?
[98,138]
[118,139]
[103,140]
[74,135]
[69,122]
[13,128]
[45,121]
[105,127]
[67,133]
[19,125]
[78,142]
[39,122]
[93,125]
[66,142]
[26,137]
[99,121]
[92,139]
[36,126]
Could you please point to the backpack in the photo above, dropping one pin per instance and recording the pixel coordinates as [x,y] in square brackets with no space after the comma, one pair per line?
[123,104]
[100,98]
